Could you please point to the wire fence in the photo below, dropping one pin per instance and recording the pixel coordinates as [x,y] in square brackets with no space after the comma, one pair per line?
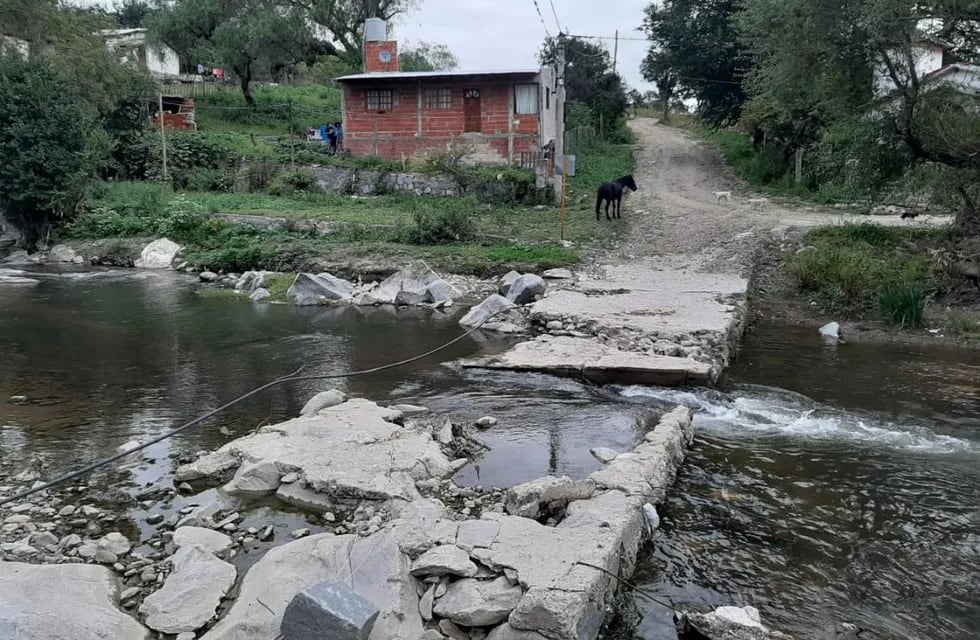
[579,138]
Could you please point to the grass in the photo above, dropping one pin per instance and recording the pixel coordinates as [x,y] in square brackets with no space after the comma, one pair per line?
[854,268]
[964,324]
[227,112]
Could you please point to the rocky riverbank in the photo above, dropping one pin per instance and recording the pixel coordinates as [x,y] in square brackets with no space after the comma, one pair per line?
[532,561]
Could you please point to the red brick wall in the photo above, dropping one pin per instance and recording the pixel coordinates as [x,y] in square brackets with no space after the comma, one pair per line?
[395,133]
[372,56]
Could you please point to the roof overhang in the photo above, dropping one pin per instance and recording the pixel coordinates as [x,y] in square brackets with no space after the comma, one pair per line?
[395,76]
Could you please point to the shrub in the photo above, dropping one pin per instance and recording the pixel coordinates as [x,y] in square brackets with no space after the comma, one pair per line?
[259,175]
[288,183]
[442,223]
[209,180]
[903,305]
[844,274]
[182,220]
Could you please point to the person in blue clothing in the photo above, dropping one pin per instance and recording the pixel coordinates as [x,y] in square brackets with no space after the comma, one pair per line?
[338,128]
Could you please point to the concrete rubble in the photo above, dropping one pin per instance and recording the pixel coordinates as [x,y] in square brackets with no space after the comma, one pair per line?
[496,313]
[191,594]
[598,363]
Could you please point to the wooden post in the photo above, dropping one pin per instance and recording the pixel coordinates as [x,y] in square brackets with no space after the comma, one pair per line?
[799,165]
[564,194]
[163,135]
[292,140]
[615,50]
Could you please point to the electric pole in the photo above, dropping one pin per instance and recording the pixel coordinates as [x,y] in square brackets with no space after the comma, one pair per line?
[615,50]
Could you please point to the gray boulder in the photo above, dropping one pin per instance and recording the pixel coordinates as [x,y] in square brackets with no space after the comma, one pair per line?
[505,282]
[260,295]
[729,623]
[477,603]
[493,313]
[526,288]
[531,498]
[65,601]
[207,276]
[415,284]
[310,289]
[159,254]
[328,609]
[603,454]
[323,400]
[64,253]
[251,281]
[557,274]
[191,594]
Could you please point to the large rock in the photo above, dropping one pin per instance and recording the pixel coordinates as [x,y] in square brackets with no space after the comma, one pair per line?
[328,609]
[115,543]
[505,282]
[350,452]
[532,498]
[415,284]
[526,289]
[259,478]
[729,623]
[64,253]
[62,602]
[311,289]
[493,314]
[374,567]
[191,594]
[323,400]
[444,560]
[213,541]
[250,281]
[478,603]
[159,254]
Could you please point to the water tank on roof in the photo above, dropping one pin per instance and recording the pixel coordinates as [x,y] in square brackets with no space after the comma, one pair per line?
[375,30]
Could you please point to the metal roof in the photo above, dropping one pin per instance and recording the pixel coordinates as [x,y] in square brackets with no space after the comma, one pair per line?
[417,75]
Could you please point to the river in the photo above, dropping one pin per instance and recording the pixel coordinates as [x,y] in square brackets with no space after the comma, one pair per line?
[825,483]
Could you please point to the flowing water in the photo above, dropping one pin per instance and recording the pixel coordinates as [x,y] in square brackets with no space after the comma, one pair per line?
[826,483]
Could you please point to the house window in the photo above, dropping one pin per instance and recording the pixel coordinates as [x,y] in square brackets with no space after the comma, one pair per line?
[379,100]
[525,99]
[438,98]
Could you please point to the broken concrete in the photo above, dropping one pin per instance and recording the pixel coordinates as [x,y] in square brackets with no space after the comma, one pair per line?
[496,313]
[43,602]
[370,456]
[209,539]
[444,560]
[191,594]
[532,498]
[478,603]
[598,363]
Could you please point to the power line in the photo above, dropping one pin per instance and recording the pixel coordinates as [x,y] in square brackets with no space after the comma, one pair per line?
[292,377]
[541,17]
[555,13]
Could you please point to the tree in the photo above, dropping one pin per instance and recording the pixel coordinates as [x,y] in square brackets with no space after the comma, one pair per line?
[694,50]
[248,37]
[344,21]
[131,14]
[49,140]
[426,56]
[589,78]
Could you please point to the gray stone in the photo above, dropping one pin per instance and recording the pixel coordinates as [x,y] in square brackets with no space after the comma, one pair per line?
[474,534]
[328,609]
[440,291]
[476,603]
[104,556]
[370,456]
[410,298]
[251,281]
[64,253]
[373,567]
[557,274]
[490,314]
[444,560]
[191,594]
[426,602]
[260,295]
[486,422]
[301,496]
[525,289]
[213,541]
[258,478]
[44,539]
[411,285]
[505,282]
[831,330]
[554,325]
[155,518]
[409,410]
[558,614]
[208,276]
[187,635]
[323,400]
[507,632]
[129,594]
[445,435]
[159,254]
[730,623]
[116,543]
[603,454]
[531,498]
[310,289]
[449,628]
[68,601]
[300,533]
[289,478]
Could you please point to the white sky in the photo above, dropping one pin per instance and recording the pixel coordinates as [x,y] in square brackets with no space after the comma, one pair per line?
[501,34]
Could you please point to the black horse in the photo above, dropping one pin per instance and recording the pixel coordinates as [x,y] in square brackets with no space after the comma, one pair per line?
[612,193]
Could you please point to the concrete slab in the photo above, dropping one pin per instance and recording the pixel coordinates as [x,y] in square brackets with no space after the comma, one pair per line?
[597,362]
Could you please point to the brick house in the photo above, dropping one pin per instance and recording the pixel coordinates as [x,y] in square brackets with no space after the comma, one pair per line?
[508,117]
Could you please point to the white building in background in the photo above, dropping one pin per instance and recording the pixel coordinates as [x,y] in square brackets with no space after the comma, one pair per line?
[21,47]
[133,47]
[934,68]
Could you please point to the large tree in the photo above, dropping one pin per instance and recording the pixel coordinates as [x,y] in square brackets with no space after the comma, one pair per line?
[590,82]
[251,38]
[426,56]
[694,51]
[344,21]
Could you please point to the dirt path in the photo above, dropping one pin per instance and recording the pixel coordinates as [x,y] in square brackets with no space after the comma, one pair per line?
[676,214]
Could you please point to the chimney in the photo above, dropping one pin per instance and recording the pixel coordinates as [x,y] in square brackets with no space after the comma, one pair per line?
[380,54]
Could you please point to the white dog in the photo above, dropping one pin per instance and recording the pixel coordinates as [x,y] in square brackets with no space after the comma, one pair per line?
[723,195]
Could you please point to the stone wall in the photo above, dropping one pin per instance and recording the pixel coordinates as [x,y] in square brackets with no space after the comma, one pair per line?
[371,182]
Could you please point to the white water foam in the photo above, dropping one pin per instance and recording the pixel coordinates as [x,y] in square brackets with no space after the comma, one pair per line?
[762,411]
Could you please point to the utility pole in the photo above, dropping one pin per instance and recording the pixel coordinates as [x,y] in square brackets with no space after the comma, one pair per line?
[163,135]
[615,50]
[292,139]
[560,109]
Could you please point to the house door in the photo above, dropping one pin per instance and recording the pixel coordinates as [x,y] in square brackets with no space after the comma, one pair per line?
[471,110]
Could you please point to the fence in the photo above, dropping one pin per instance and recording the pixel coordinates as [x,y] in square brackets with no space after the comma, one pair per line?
[529,159]
[196,89]
[579,138]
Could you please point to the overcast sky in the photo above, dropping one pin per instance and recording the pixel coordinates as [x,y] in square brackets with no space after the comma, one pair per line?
[501,34]
[497,34]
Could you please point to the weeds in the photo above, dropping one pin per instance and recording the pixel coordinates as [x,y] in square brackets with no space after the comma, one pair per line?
[965,325]
[903,305]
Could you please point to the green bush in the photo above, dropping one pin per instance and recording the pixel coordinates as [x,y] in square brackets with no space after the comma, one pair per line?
[843,274]
[441,223]
[288,183]
[182,220]
[209,180]
[259,175]
[903,305]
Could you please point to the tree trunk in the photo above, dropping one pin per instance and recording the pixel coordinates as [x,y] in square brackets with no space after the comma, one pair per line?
[666,109]
[245,81]
[967,222]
